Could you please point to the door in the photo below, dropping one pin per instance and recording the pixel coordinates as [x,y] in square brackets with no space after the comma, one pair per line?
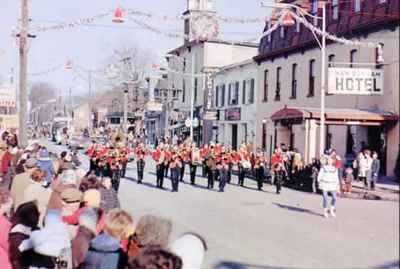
[377,142]
[234,136]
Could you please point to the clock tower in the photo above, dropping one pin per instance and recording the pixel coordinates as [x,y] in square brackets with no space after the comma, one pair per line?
[194,8]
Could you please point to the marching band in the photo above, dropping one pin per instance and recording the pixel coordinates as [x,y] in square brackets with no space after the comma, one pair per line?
[217,162]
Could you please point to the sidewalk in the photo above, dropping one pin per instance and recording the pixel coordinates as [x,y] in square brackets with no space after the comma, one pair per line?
[386,189]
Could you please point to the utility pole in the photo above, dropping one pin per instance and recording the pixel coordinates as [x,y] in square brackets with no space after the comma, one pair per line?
[23,69]
[90,102]
[323,83]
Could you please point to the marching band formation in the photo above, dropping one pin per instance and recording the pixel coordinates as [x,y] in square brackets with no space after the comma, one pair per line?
[217,162]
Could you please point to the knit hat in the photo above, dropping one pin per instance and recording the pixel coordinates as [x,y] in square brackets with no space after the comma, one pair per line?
[68,177]
[88,219]
[92,198]
[191,248]
[71,195]
[31,163]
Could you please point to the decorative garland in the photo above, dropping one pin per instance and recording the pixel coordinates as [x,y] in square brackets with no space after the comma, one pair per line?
[332,37]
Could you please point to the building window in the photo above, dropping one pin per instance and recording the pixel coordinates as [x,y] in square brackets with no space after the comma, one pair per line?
[278,84]
[195,89]
[294,82]
[314,7]
[264,135]
[251,94]
[235,99]
[244,92]
[265,98]
[217,96]
[331,60]
[379,62]
[223,96]
[357,5]
[353,55]
[183,90]
[230,86]
[335,9]
[311,79]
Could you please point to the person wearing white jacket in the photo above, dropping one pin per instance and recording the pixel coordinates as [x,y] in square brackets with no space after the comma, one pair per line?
[328,179]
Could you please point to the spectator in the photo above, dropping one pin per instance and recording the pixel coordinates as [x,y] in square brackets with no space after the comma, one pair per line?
[109,197]
[45,164]
[21,182]
[36,191]
[86,232]
[364,169]
[150,231]
[105,250]
[52,242]
[348,180]
[155,257]
[191,249]
[375,168]
[328,179]
[24,222]
[66,180]
[5,226]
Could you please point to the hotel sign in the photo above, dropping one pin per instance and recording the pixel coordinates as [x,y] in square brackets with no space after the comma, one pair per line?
[358,81]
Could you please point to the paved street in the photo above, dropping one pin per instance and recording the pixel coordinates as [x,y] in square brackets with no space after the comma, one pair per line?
[264,230]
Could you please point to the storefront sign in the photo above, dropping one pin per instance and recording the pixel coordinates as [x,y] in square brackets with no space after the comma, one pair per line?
[7,96]
[232,113]
[359,81]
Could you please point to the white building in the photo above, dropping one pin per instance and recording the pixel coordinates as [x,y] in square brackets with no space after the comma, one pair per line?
[201,58]
[290,77]
[235,100]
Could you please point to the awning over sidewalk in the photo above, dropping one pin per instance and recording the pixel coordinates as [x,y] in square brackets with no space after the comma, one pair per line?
[336,115]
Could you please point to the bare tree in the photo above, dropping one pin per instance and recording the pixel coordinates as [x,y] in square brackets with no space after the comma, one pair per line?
[40,92]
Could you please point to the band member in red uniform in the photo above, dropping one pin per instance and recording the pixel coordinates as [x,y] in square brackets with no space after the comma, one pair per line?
[175,165]
[159,158]
[140,162]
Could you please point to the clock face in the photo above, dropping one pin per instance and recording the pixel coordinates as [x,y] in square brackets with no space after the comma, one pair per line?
[204,26]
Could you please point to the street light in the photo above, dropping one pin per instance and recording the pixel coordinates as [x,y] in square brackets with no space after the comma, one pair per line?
[288,20]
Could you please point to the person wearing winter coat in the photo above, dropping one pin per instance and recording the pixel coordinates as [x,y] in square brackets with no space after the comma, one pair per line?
[45,164]
[279,176]
[5,226]
[24,222]
[105,251]
[53,241]
[86,232]
[22,181]
[328,181]
[109,197]
[36,191]
[375,168]
[364,169]
[65,181]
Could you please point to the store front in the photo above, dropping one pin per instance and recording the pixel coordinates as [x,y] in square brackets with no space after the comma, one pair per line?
[347,131]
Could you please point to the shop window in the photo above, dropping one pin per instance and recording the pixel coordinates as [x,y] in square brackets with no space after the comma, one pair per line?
[331,60]
[357,5]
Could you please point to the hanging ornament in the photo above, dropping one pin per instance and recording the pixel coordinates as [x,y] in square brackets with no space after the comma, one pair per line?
[68,65]
[204,27]
[288,20]
[118,16]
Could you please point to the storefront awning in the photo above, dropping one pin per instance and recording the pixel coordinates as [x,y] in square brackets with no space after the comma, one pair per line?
[336,115]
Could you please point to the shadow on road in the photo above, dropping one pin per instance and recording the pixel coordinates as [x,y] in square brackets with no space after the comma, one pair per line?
[298,209]
[237,265]
[146,184]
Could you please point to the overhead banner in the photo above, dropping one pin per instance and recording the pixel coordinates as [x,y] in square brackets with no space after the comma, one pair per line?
[359,81]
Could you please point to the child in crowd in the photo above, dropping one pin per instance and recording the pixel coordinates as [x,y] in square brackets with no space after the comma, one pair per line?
[347,180]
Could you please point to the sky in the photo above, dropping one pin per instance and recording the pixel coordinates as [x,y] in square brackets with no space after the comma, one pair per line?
[90,46]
